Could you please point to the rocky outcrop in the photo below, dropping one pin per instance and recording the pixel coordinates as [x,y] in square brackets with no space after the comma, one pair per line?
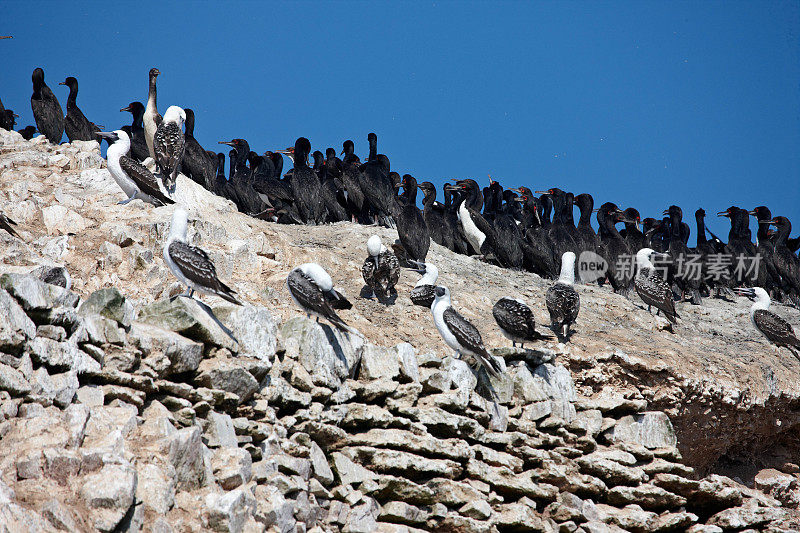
[124,408]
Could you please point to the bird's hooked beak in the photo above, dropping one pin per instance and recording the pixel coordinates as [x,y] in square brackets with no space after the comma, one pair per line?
[229,143]
[665,213]
[542,192]
[14,115]
[62,83]
[126,109]
[771,222]
[107,135]
[752,213]
[596,210]
[416,266]
[724,214]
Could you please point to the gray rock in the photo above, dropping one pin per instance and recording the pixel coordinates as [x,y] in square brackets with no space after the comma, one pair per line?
[329,355]
[90,395]
[378,362]
[435,380]
[58,388]
[232,467]
[256,330]
[273,509]
[34,295]
[228,375]
[58,516]
[219,430]
[363,518]
[187,317]
[156,487]
[407,356]
[62,355]
[526,388]
[108,303]
[109,494]
[652,430]
[460,373]
[322,470]
[556,382]
[403,513]
[12,381]
[230,511]
[349,473]
[185,453]
[15,326]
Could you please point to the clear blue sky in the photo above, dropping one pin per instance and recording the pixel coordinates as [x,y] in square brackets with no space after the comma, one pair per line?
[643,103]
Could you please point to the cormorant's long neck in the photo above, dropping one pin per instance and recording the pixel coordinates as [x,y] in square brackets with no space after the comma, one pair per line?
[783,233]
[151,93]
[611,227]
[373,150]
[189,124]
[37,89]
[429,198]
[547,207]
[701,230]
[410,194]
[569,218]
[138,119]
[675,226]
[72,99]
[585,220]
[763,231]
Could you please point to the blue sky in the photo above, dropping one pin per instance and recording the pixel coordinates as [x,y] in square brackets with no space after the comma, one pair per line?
[642,103]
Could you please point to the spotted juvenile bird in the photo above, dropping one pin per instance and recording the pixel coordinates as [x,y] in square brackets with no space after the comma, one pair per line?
[516,321]
[777,330]
[459,334]
[652,288]
[169,145]
[563,301]
[190,264]
[381,269]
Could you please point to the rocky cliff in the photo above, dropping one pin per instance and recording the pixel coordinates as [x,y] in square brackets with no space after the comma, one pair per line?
[123,408]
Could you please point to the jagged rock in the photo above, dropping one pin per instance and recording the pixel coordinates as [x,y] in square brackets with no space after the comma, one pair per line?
[227,375]
[460,373]
[230,511]
[611,471]
[61,355]
[406,440]
[520,516]
[556,382]
[219,430]
[652,430]
[743,517]
[36,296]
[319,463]
[185,453]
[403,513]
[399,488]
[404,463]
[349,473]
[184,355]
[648,496]
[155,487]
[505,481]
[329,355]
[526,388]
[109,494]
[409,367]
[255,329]
[12,381]
[453,493]
[362,518]
[58,388]
[679,521]
[108,303]
[58,516]
[378,362]
[15,326]
[478,509]
[232,466]
[272,509]
[631,517]
[187,317]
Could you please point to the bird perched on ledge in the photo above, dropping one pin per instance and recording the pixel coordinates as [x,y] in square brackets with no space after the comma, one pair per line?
[777,330]
[563,301]
[169,145]
[311,288]
[516,321]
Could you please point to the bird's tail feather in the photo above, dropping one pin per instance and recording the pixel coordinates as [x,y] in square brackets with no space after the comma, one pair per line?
[227,293]
[490,364]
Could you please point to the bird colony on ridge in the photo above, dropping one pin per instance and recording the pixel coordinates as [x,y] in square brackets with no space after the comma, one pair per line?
[511,228]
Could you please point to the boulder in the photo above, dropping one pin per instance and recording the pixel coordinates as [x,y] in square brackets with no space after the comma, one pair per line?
[189,318]
[652,430]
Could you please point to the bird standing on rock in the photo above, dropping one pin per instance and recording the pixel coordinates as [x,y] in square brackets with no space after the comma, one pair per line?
[459,334]
[76,125]
[777,331]
[381,269]
[169,145]
[311,288]
[516,321]
[133,178]
[563,301]
[46,110]
[652,288]
[151,118]
[190,264]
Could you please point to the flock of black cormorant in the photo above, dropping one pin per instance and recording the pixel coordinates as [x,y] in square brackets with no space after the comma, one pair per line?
[512,228]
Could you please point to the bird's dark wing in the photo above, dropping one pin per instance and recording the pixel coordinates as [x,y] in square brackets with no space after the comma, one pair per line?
[653,290]
[512,316]
[197,267]
[337,300]
[423,295]
[465,333]
[775,328]
[311,297]
[143,178]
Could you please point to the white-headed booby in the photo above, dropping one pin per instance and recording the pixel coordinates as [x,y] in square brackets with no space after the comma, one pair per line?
[563,301]
[459,334]
[516,321]
[310,287]
[190,264]
[169,145]
[424,291]
[652,288]
[381,269]
[777,330]
[132,177]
